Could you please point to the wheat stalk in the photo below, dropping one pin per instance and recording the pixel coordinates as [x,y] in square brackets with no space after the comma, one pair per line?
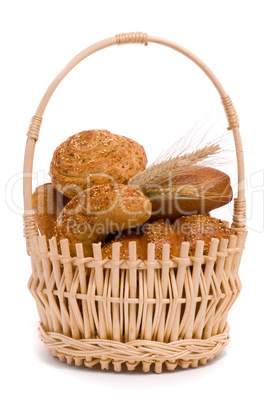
[180,192]
[158,172]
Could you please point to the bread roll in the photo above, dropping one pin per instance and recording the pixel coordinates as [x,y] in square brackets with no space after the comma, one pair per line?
[95,212]
[159,232]
[197,191]
[186,228]
[47,203]
[95,157]
[200,227]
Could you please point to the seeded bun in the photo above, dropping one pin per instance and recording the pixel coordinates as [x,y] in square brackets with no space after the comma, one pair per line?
[200,227]
[97,211]
[159,232]
[186,228]
[95,157]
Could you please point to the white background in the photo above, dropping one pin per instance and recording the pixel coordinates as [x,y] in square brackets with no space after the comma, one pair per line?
[152,95]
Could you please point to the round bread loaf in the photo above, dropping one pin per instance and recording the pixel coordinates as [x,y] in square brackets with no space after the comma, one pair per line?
[95,157]
[97,211]
[186,228]
[47,203]
[198,190]
[159,232]
[200,227]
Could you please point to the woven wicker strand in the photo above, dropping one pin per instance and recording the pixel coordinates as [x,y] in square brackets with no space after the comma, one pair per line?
[29,228]
[145,351]
[230,112]
[239,216]
[34,127]
[132,37]
[196,310]
[170,312]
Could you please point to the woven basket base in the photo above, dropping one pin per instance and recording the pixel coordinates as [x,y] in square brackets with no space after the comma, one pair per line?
[90,352]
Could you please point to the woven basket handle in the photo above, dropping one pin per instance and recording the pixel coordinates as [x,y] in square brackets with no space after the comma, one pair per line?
[239,216]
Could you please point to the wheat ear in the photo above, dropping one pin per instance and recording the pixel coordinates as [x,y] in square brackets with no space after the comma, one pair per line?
[158,172]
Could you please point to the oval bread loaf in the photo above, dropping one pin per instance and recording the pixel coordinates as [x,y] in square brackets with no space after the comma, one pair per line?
[95,157]
[90,216]
[199,190]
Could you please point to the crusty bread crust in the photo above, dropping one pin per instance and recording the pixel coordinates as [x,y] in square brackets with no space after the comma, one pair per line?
[90,216]
[197,191]
[95,157]
[47,203]
[159,232]
[186,228]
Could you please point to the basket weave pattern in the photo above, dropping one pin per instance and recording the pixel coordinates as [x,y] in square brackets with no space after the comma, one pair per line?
[153,312]
[172,311]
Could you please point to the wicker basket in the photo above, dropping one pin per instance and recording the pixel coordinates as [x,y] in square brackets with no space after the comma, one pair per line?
[171,311]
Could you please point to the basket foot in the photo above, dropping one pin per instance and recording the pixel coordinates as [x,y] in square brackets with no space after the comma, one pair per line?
[191,352]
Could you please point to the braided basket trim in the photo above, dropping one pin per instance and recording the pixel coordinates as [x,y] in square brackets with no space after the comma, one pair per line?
[146,351]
